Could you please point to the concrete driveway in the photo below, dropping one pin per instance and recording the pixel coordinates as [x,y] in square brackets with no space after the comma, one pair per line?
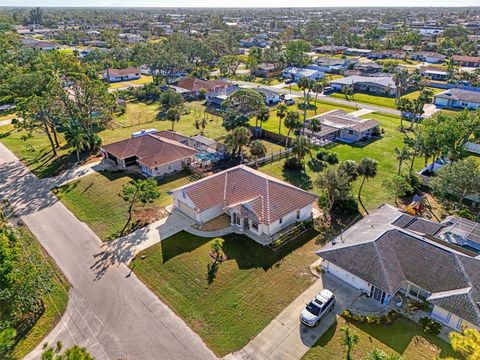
[285,338]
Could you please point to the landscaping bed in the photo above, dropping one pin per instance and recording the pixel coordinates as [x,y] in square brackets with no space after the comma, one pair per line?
[229,306]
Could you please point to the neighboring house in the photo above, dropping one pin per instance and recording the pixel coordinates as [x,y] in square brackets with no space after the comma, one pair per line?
[428,56]
[357,52]
[460,231]
[215,99]
[387,54]
[271,97]
[331,64]
[253,41]
[296,73]
[191,87]
[365,68]
[258,204]
[458,99]
[267,70]
[154,153]
[115,75]
[39,45]
[435,73]
[466,61]
[390,252]
[330,49]
[378,85]
[338,125]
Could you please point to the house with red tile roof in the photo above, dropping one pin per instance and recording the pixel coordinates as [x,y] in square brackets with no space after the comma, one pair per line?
[154,154]
[256,203]
[191,87]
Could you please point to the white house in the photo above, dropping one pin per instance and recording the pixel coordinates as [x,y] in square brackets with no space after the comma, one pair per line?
[296,73]
[458,99]
[256,203]
[115,75]
[152,153]
[380,85]
[391,252]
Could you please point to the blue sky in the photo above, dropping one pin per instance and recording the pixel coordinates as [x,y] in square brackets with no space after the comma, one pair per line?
[236,3]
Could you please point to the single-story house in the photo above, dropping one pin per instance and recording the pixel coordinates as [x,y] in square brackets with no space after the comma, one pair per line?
[267,70]
[428,56]
[461,231]
[366,68]
[271,97]
[332,64]
[378,85]
[434,73]
[338,125]
[387,54]
[39,44]
[357,52]
[115,75]
[256,203]
[253,41]
[191,87]
[154,153]
[458,99]
[296,73]
[215,99]
[330,49]
[390,252]
[466,61]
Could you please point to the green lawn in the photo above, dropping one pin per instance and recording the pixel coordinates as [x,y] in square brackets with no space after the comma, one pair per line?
[36,153]
[55,301]
[373,193]
[229,307]
[143,80]
[403,337]
[95,199]
[6,115]
[381,100]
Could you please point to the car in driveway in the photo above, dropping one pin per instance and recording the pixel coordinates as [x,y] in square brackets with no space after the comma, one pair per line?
[323,303]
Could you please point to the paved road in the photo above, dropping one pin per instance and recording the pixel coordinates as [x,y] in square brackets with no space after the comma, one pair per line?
[110,311]
[332,100]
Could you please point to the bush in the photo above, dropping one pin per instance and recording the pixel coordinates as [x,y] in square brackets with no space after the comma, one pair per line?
[430,326]
[309,106]
[346,207]
[376,131]
[293,163]
[328,156]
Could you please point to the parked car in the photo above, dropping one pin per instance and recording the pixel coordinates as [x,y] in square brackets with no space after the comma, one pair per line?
[289,101]
[323,303]
[328,90]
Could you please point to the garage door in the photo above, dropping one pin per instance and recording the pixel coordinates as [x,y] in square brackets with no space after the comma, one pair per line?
[184,208]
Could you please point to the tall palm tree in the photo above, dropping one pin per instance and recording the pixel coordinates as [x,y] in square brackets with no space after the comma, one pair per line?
[281,113]
[402,155]
[405,106]
[400,78]
[347,90]
[306,85]
[301,147]
[292,122]
[241,138]
[367,168]
[314,125]
[258,150]
[318,88]
[263,115]
[350,339]
[200,123]
[76,137]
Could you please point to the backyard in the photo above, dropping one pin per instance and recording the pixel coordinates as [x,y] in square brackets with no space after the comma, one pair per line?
[55,300]
[95,199]
[403,338]
[373,193]
[229,305]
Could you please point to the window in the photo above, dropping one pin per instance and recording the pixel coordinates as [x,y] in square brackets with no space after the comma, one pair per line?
[254,225]
[298,214]
[280,220]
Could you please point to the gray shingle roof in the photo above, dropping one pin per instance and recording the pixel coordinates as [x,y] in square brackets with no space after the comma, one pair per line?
[418,225]
[460,95]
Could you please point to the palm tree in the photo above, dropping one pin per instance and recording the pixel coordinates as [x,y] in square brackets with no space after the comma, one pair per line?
[347,90]
[400,78]
[306,85]
[241,137]
[367,168]
[281,113]
[405,106]
[200,124]
[76,137]
[401,155]
[318,88]
[173,114]
[301,147]
[315,125]
[378,354]
[292,122]
[217,248]
[263,115]
[350,339]
[257,149]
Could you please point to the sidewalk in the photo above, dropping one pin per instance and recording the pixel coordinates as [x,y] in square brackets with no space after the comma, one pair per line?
[285,338]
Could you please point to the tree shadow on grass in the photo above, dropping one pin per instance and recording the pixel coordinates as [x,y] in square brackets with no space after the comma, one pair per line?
[212,269]
[298,178]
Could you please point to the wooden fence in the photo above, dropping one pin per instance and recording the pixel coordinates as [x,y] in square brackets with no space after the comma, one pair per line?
[282,154]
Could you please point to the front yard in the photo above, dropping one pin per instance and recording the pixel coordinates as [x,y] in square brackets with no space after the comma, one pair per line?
[231,305]
[95,199]
[373,193]
[403,338]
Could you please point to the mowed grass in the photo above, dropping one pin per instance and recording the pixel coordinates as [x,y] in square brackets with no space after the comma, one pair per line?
[403,338]
[95,199]
[373,194]
[229,307]
[55,301]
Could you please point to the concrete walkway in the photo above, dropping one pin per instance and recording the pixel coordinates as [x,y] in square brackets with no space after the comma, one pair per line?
[72,174]
[210,234]
[285,338]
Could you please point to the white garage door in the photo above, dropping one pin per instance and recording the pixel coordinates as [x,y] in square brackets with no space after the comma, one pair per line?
[184,208]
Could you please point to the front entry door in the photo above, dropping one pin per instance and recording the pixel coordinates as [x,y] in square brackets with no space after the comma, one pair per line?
[376,294]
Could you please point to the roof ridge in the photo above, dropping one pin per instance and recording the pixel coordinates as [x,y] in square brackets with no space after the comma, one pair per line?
[268,202]
[382,264]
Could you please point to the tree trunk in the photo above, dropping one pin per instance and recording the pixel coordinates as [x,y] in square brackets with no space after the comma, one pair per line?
[360,193]
[55,137]
[78,155]
[304,112]
[173,125]
[47,131]
[130,208]
[316,97]
[399,166]
[279,125]
[412,163]
[288,136]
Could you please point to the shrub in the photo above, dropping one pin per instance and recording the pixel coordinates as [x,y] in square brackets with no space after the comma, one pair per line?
[376,131]
[293,163]
[346,207]
[328,156]
[430,326]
